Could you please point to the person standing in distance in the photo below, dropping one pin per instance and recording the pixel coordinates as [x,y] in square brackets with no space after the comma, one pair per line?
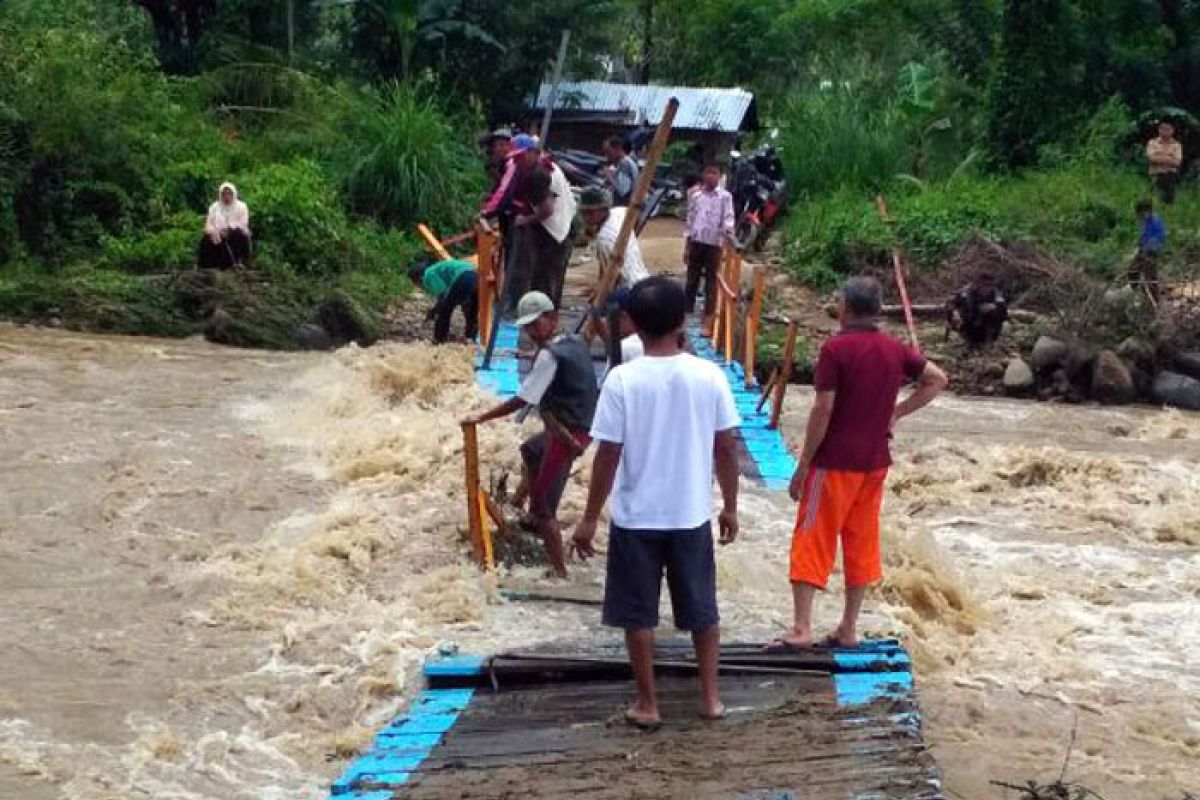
[665,423]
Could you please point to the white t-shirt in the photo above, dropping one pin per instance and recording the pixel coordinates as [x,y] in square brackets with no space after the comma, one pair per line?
[558,224]
[665,412]
[633,269]
[631,348]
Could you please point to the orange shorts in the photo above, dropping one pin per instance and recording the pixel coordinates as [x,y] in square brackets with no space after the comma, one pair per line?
[837,504]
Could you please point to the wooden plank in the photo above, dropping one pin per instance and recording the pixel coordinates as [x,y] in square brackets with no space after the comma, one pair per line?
[566,740]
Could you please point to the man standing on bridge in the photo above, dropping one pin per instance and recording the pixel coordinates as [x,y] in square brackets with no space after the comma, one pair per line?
[839,480]
[710,223]
[663,422]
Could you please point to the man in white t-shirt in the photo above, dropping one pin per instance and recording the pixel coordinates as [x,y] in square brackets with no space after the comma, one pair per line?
[665,422]
[604,223]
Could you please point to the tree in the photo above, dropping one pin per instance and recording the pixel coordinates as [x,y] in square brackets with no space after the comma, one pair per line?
[179,26]
[1036,90]
[410,24]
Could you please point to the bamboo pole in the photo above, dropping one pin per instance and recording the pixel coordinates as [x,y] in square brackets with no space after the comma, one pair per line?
[486,249]
[475,520]
[432,242]
[612,270]
[735,286]
[898,269]
[718,308]
[752,322]
[485,531]
[785,373]
[555,80]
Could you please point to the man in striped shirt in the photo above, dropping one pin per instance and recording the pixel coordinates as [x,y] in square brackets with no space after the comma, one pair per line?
[710,223]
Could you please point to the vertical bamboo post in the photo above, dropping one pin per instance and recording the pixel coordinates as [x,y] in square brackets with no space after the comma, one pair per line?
[718,309]
[730,306]
[485,250]
[785,374]
[474,501]
[752,320]
[485,530]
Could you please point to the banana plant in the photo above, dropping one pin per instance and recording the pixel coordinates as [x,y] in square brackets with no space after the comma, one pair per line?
[415,22]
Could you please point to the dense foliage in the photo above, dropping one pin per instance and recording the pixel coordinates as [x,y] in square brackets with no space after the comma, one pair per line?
[343,123]
[108,165]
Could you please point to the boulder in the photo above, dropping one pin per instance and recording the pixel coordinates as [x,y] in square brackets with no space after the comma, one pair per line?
[1111,380]
[1173,389]
[1188,364]
[1048,353]
[1018,377]
[1137,352]
[312,337]
[346,320]
[218,327]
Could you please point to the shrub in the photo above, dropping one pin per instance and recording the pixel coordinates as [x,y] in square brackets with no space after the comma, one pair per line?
[406,161]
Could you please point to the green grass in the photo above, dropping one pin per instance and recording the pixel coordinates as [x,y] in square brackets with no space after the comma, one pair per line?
[1083,213]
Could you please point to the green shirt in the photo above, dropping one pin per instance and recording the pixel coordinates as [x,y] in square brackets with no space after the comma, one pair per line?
[438,279]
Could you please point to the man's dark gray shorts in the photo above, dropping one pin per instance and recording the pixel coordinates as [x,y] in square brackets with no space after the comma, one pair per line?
[637,560]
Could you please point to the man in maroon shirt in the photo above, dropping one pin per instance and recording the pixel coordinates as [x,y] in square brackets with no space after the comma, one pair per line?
[839,480]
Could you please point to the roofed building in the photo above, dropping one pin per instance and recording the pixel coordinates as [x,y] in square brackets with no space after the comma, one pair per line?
[587,112]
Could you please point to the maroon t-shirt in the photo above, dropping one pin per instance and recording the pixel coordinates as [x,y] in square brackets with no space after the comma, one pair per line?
[865,369]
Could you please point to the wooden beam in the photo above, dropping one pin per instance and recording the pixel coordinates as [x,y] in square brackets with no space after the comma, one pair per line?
[898,269]
[487,249]
[475,520]
[785,374]
[750,340]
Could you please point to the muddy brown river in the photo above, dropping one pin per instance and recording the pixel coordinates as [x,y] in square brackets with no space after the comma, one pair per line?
[220,571]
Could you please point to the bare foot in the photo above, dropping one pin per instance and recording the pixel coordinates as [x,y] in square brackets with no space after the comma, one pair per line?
[714,713]
[792,640]
[843,638]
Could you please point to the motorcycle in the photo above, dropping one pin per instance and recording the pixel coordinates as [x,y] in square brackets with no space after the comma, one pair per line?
[759,197]
[585,169]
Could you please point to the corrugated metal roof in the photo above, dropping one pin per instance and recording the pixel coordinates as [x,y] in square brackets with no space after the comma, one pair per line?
[704,108]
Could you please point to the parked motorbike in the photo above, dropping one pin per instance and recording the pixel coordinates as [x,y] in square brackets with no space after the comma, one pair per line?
[587,169]
[759,196]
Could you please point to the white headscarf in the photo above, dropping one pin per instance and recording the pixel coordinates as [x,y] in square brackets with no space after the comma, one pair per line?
[223,216]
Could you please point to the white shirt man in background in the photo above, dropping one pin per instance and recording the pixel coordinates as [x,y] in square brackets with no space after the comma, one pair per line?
[604,223]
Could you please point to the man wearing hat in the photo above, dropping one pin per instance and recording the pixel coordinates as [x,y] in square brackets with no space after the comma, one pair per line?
[604,224]
[496,145]
[562,384]
[536,192]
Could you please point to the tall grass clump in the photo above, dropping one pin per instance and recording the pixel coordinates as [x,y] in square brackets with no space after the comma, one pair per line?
[406,160]
[838,135]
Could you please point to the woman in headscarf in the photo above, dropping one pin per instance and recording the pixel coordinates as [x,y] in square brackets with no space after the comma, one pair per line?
[226,241]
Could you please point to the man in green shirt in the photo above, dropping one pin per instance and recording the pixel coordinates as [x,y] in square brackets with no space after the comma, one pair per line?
[454,284]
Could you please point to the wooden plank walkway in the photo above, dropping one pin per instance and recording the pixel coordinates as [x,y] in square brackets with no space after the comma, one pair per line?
[817,725]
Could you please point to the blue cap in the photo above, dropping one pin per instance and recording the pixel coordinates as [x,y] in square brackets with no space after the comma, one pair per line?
[522,142]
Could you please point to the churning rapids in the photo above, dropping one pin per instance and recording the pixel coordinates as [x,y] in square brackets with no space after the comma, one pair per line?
[220,571]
